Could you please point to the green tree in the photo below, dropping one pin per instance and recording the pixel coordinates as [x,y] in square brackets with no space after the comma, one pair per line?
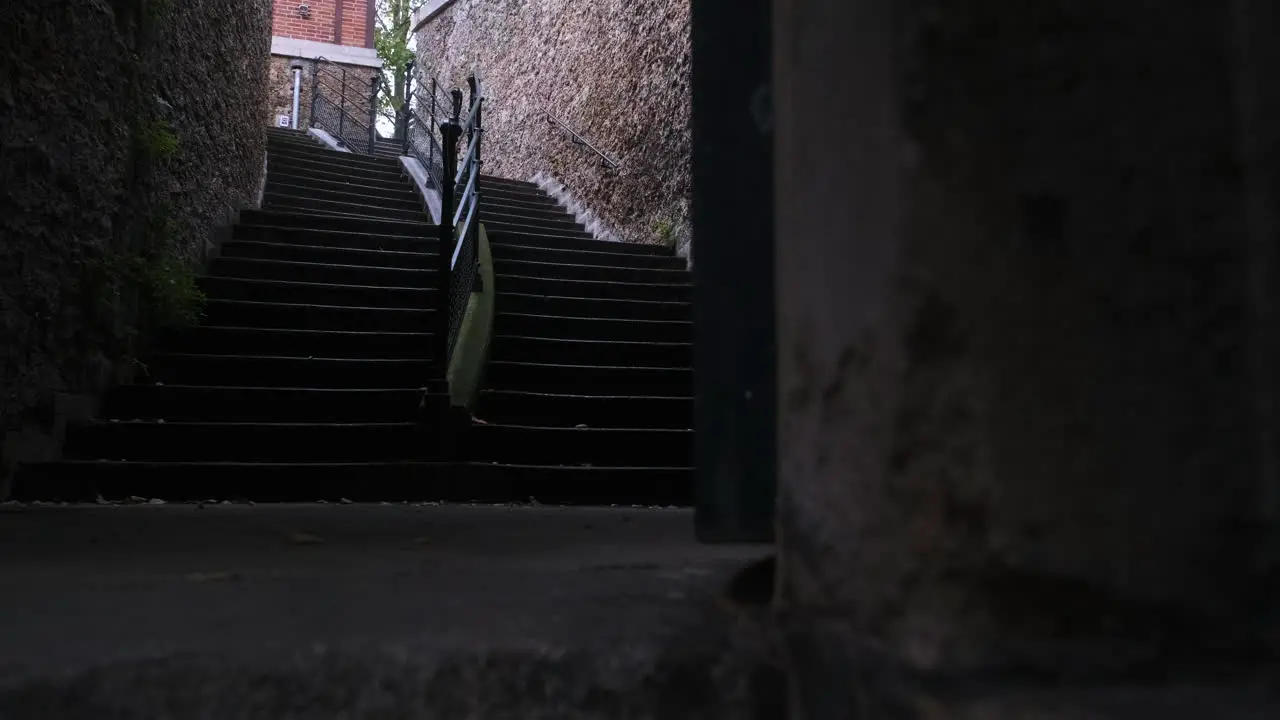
[393,39]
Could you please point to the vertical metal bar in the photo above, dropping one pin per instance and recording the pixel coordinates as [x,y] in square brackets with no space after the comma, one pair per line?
[373,113]
[431,121]
[342,106]
[477,127]
[315,92]
[406,108]
[449,132]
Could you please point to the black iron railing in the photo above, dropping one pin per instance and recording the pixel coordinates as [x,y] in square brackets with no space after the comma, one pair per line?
[345,106]
[433,126]
[577,139]
[464,275]
[420,117]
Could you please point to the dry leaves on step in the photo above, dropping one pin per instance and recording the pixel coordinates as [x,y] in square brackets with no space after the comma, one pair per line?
[301,538]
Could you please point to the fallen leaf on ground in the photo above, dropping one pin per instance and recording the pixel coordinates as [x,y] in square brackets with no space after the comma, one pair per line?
[301,538]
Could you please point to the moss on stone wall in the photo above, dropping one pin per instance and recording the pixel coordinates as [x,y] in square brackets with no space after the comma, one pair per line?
[130,127]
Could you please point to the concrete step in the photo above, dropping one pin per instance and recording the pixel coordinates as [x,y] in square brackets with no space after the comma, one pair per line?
[311,272]
[356,207]
[226,339]
[594,411]
[489,200]
[498,209]
[288,164]
[343,183]
[495,181]
[296,137]
[317,317]
[574,351]
[333,255]
[359,482]
[402,198]
[509,251]
[286,143]
[305,175]
[254,442]
[281,218]
[557,222]
[588,379]
[590,328]
[539,304]
[332,157]
[424,239]
[602,273]
[549,233]
[607,290]
[498,236]
[509,192]
[202,403]
[242,370]
[574,484]
[282,291]
[84,481]
[614,447]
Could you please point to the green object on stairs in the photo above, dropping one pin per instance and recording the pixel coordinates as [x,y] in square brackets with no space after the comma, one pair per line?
[471,353]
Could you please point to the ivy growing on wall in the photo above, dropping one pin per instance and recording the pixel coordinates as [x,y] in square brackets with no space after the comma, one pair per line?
[141,280]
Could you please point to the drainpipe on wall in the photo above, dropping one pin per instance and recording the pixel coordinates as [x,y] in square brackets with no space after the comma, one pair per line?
[296,65]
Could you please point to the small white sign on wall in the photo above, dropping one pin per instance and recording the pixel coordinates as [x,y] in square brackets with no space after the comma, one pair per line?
[282,121]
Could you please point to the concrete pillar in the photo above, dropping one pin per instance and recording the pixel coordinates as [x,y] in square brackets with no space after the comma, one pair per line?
[1023,292]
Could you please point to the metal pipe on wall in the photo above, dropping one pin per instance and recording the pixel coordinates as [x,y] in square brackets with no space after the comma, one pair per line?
[297,88]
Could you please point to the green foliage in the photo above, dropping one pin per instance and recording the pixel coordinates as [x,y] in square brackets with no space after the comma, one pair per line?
[155,278]
[175,299]
[668,232]
[156,10]
[168,280]
[157,140]
[393,39]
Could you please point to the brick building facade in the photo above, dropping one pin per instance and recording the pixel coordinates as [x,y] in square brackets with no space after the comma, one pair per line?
[339,31]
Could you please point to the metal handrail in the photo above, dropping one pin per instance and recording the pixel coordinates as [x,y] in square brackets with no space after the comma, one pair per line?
[580,140]
[325,84]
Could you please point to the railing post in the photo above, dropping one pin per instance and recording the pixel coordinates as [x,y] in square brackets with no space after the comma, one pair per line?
[449,132]
[315,92]
[403,120]
[456,94]
[431,122]
[342,106]
[373,113]
[477,129]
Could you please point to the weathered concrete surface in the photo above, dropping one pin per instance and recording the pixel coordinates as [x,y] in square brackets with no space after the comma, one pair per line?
[1020,340]
[616,71]
[382,611]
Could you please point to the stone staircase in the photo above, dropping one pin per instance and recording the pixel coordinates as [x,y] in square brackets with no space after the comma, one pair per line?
[307,378]
[589,388]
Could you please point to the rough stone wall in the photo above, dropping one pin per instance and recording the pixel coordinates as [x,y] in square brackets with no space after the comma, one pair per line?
[281,102]
[130,124]
[358,78]
[616,71]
